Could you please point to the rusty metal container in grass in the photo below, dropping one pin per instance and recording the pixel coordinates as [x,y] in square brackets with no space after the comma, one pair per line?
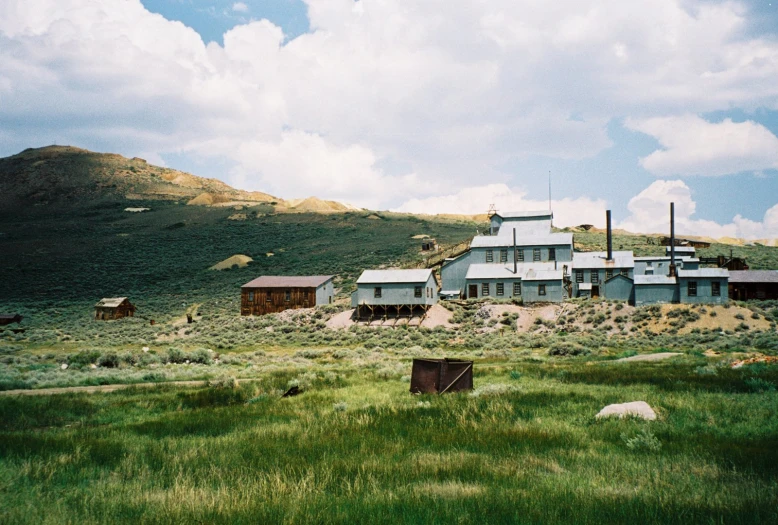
[437,376]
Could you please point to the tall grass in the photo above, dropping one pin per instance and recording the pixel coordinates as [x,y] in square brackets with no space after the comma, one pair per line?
[361,449]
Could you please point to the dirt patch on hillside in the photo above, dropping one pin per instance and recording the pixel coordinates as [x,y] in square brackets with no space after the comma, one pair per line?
[241,261]
[438,316]
[707,317]
[342,320]
[528,315]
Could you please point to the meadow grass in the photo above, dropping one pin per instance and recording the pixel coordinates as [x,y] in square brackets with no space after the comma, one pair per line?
[357,447]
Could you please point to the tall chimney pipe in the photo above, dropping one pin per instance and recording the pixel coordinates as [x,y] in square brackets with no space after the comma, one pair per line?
[610,234]
[515,255]
[672,239]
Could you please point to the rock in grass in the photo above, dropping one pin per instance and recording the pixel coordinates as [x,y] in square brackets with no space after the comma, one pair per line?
[635,408]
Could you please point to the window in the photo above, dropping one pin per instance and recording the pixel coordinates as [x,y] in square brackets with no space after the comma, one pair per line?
[516,288]
[715,289]
[552,254]
[625,272]
[541,289]
[484,289]
[251,297]
[579,276]
[519,255]
[536,254]
[489,255]
[377,291]
[417,291]
[691,288]
[268,297]
[595,276]
[503,255]
[608,274]
[288,296]
[500,288]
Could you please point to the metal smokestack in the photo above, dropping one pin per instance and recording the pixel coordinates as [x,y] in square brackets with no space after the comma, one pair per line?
[610,234]
[672,239]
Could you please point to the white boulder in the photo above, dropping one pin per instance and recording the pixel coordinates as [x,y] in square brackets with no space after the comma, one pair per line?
[635,408]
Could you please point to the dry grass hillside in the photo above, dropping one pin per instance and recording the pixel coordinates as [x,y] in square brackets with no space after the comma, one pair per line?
[64,174]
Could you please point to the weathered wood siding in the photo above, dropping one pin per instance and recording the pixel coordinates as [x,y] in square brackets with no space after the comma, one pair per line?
[261,301]
[107,313]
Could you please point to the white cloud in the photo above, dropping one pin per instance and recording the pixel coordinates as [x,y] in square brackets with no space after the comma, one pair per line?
[476,200]
[694,146]
[308,165]
[650,213]
[240,7]
[448,92]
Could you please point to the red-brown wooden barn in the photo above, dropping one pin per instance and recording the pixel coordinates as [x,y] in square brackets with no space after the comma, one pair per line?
[276,293]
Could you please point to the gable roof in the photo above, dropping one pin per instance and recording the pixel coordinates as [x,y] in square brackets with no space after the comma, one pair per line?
[525,214]
[394,276]
[525,271]
[597,260]
[704,272]
[110,302]
[288,281]
[753,276]
[522,241]
[653,279]
[618,276]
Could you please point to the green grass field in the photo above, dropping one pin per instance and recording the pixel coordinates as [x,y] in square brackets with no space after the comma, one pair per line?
[356,447]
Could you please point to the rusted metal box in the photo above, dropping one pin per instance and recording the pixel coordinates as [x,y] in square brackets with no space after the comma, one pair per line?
[436,376]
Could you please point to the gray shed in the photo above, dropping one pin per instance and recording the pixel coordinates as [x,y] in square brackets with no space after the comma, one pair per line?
[655,289]
[706,285]
[619,288]
[394,292]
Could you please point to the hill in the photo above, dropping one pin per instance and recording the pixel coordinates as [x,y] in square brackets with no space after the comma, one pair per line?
[64,175]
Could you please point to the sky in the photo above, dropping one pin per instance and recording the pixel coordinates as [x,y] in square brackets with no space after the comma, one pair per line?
[431,106]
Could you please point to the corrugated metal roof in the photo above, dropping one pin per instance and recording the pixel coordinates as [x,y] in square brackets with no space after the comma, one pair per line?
[753,276]
[704,272]
[506,241]
[394,276]
[653,279]
[596,260]
[110,302]
[666,258]
[681,249]
[543,275]
[288,281]
[525,214]
[505,271]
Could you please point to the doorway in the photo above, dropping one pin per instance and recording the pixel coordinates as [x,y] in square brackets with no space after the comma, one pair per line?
[595,291]
[473,292]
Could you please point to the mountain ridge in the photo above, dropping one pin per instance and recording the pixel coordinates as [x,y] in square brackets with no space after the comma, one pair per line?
[61,174]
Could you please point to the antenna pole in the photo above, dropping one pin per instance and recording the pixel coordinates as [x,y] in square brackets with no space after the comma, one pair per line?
[549,190]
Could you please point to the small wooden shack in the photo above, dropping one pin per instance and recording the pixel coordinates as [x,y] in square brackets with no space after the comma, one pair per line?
[6,319]
[276,293]
[114,308]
